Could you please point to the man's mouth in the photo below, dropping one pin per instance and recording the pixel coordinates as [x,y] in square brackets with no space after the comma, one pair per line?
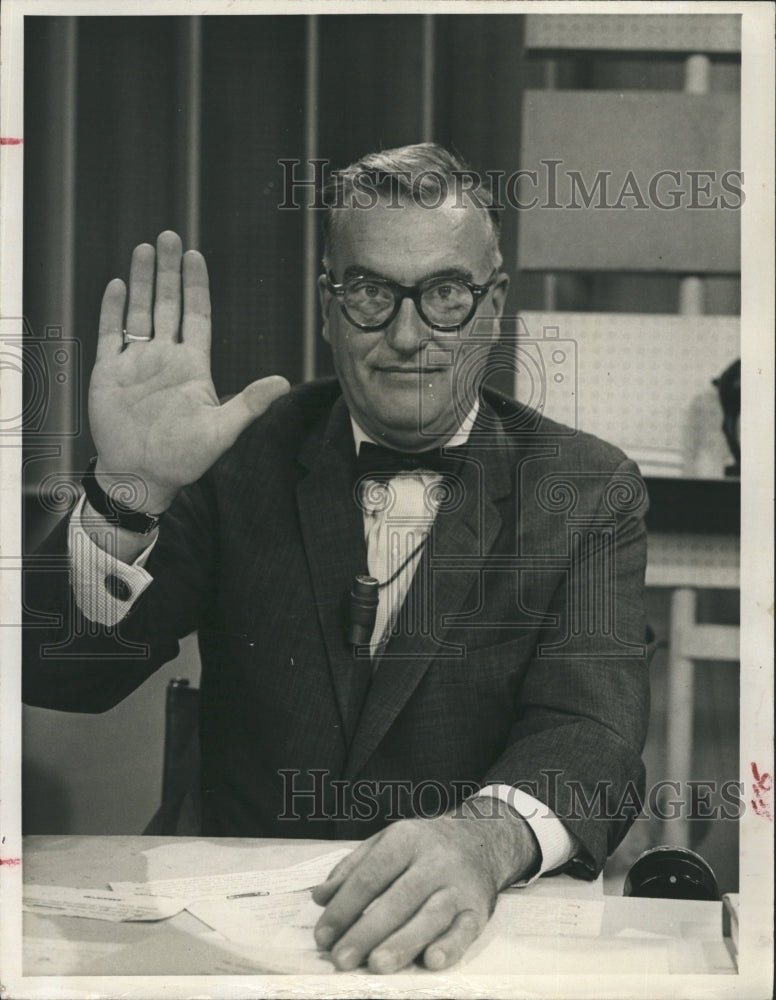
[409,370]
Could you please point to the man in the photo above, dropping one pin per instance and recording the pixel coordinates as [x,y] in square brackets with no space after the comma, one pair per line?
[498,655]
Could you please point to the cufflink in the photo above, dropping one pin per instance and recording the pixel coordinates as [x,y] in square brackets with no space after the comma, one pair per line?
[117,587]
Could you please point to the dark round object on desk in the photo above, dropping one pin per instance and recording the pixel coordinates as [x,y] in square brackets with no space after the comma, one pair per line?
[671,873]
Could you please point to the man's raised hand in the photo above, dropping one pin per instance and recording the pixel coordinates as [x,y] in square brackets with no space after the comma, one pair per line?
[154,414]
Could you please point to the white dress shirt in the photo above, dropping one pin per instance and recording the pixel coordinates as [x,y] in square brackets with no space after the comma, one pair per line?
[106,588]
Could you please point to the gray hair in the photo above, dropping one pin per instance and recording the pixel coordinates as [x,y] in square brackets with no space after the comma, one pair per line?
[421,171]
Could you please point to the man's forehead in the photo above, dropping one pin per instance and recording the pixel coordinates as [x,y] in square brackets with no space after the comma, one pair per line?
[435,238]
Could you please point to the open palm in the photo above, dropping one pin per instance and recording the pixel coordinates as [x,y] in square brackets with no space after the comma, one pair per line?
[154,414]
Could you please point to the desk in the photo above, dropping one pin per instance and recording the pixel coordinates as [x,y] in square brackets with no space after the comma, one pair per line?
[649,936]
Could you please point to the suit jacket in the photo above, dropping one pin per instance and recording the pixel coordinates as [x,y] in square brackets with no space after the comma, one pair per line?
[519,655]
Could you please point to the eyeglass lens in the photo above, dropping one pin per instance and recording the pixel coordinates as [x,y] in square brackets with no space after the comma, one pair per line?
[444,303]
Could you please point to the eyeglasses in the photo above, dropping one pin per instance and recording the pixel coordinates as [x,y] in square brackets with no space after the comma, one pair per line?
[442,303]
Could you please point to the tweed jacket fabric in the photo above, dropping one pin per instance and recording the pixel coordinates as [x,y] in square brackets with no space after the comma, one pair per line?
[518,656]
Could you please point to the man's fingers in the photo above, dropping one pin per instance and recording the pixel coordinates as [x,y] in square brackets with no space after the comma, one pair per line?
[167,302]
[450,947]
[432,919]
[141,291]
[322,893]
[363,884]
[408,902]
[235,415]
[111,337]
[196,301]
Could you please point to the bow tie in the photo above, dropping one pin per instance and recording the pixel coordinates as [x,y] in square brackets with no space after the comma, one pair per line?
[383,463]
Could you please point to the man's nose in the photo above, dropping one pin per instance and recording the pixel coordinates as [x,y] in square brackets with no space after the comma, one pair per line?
[407,331]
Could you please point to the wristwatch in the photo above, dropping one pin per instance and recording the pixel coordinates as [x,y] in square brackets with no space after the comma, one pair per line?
[113,511]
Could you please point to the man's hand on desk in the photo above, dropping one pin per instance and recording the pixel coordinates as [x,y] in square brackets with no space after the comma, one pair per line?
[429,886]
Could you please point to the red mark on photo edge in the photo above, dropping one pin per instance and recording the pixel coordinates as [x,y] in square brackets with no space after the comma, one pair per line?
[10,861]
[8,141]
[763,783]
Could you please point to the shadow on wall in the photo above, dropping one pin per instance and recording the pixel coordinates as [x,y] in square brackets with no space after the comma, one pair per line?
[46,801]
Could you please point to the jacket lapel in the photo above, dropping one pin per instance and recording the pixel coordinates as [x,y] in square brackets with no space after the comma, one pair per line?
[333,535]
[457,539]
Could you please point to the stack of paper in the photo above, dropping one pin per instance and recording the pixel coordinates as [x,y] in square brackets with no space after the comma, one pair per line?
[98,904]
[239,885]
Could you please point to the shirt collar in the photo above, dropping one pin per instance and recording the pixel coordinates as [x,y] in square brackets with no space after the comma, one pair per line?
[460,437]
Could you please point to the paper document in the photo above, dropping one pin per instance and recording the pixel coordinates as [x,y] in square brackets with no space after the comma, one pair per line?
[97,904]
[235,885]
[567,956]
[278,929]
[177,857]
[567,917]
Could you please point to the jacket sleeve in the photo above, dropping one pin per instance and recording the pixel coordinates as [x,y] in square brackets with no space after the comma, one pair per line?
[75,665]
[582,711]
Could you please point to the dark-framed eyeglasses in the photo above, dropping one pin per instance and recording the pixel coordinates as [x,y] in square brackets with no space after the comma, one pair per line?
[372,303]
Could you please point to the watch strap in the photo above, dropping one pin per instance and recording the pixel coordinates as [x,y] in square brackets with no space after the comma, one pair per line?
[113,511]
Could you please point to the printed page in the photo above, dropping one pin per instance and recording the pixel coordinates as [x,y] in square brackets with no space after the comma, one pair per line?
[235,885]
[98,904]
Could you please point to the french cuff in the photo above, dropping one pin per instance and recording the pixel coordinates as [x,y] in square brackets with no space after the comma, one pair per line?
[104,587]
[556,844]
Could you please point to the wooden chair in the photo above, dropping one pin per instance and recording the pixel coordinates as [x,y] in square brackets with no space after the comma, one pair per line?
[639,380]
[179,812]
[689,643]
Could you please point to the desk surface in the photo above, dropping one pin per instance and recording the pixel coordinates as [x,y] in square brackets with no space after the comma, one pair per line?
[644,935]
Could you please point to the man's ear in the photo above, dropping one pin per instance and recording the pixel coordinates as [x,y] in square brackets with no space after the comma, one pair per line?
[495,309]
[324,298]
[499,293]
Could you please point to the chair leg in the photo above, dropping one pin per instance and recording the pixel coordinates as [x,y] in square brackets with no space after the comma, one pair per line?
[681,682]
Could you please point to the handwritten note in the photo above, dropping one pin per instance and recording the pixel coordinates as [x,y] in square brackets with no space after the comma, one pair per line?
[568,917]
